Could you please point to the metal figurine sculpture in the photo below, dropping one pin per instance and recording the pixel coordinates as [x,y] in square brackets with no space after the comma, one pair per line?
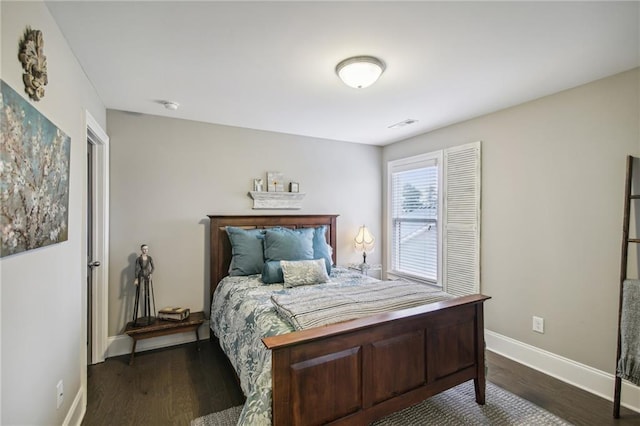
[144,284]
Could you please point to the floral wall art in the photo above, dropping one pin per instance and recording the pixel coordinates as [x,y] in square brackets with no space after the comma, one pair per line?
[34,177]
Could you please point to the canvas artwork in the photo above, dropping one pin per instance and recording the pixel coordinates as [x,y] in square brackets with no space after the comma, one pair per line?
[34,176]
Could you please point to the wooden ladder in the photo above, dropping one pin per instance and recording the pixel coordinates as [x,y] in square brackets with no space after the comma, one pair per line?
[628,196]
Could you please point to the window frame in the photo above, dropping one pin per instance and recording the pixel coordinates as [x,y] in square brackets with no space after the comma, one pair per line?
[405,164]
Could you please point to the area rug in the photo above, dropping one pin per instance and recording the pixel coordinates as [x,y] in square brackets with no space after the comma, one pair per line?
[455,407]
[228,417]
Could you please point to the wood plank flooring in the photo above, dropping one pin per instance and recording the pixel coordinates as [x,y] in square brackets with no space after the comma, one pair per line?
[169,386]
[568,402]
[174,385]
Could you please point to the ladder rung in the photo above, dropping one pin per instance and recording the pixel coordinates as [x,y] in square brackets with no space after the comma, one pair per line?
[634,197]
[634,240]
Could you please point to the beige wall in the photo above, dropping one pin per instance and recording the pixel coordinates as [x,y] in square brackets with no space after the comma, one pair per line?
[168,174]
[43,290]
[552,199]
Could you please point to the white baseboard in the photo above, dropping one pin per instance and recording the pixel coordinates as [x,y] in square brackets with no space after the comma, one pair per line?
[76,411]
[121,344]
[582,376]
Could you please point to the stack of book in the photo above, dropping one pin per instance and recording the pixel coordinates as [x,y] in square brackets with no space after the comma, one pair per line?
[173,313]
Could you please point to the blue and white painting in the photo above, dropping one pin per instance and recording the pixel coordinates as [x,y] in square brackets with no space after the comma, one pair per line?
[34,177]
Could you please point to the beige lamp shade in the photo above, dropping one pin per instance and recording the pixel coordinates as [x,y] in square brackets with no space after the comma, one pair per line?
[364,241]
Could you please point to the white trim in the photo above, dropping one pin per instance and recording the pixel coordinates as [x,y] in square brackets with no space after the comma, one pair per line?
[96,128]
[77,410]
[121,344]
[580,375]
[420,160]
[99,139]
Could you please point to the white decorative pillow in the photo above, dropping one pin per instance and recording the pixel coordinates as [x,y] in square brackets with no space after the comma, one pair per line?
[304,272]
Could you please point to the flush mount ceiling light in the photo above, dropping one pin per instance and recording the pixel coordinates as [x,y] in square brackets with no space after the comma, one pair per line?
[360,71]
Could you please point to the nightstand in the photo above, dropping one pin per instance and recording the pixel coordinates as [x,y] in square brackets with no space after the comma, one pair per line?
[163,327]
[366,269]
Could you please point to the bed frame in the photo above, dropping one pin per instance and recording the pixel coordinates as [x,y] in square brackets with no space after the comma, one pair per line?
[358,371]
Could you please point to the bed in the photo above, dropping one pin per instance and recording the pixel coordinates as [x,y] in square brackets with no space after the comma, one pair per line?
[352,372]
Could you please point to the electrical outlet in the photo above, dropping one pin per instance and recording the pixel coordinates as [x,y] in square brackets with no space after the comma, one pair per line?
[60,393]
[538,324]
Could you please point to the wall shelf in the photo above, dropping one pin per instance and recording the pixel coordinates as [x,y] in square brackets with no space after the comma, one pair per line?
[263,200]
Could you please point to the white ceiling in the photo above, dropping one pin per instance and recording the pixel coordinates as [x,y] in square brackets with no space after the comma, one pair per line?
[271,65]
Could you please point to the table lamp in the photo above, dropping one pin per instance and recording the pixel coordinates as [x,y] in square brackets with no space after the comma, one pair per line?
[364,242]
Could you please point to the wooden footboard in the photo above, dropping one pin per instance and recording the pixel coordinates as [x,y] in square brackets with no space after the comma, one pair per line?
[358,371]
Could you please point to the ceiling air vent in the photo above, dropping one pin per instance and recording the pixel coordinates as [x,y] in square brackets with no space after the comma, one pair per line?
[406,122]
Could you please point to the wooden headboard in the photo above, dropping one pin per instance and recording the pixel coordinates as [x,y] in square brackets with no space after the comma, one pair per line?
[221,247]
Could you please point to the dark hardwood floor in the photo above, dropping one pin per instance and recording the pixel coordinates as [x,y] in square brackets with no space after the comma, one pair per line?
[568,402]
[169,386]
[174,385]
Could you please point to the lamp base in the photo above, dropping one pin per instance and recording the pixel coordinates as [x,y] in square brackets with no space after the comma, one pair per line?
[364,267]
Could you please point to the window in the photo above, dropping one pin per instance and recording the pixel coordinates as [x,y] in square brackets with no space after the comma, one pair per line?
[415,209]
[434,218]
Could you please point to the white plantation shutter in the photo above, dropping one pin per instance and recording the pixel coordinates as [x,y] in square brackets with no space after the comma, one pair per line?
[461,231]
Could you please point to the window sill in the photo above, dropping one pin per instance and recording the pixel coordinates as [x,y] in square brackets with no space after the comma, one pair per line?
[392,275]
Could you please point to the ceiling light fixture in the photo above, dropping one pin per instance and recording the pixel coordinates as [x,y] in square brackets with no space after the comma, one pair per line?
[360,71]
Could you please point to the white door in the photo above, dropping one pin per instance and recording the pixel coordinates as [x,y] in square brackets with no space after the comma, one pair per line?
[97,260]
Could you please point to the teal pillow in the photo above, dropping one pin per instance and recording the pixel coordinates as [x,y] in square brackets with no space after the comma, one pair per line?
[322,250]
[288,244]
[272,272]
[246,251]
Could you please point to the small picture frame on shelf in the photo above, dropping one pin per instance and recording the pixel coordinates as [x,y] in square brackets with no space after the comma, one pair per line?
[258,185]
[294,187]
[275,182]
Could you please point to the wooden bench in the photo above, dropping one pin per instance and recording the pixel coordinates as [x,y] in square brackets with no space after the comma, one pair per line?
[162,328]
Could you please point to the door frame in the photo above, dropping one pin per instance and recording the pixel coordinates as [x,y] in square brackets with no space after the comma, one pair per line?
[98,138]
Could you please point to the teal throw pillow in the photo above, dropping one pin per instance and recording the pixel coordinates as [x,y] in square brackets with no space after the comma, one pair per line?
[322,250]
[246,250]
[272,272]
[288,244]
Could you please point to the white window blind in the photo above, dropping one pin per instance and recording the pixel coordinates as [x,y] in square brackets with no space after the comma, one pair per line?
[415,217]
[434,218]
